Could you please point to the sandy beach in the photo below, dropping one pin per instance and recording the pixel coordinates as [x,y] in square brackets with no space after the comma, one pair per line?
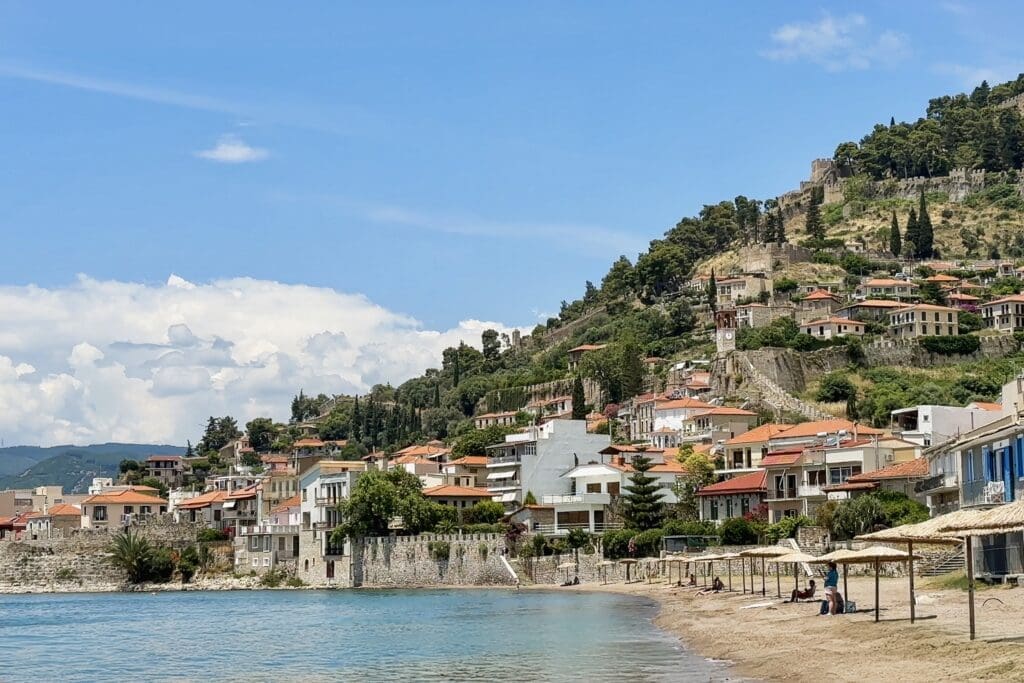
[769,640]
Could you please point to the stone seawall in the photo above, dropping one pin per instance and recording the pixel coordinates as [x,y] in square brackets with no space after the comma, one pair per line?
[81,561]
[433,560]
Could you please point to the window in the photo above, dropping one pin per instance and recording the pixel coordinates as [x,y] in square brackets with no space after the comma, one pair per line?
[266,544]
[594,488]
[744,505]
[255,561]
[216,515]
[816,478]
[128,509]
[728,508]
[613,488]
[266,561]
[145,509]
[254,543]
[99,513]
[714,508]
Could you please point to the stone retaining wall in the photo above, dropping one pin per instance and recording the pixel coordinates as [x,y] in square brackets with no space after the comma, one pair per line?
[406,561]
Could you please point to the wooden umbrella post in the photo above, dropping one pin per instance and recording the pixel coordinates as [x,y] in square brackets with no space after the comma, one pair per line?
[796,577]
[846,593]
[876,590]
[970,582]
[764,592]
[743,574]
[778,578]
[728,565]
[913,611]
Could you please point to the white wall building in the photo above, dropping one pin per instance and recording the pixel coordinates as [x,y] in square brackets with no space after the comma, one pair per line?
[930,425]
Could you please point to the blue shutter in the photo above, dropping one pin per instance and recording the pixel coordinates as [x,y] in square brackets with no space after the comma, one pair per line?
[1018,451]
[969,466]
[986,462]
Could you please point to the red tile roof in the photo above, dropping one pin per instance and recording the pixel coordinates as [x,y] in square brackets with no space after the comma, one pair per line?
[204,500]
[810,429]
[308,443]
[63,510]
[820,294]
[910,469]
[726,410]
[125,497]
[780,459]
[1012,299]
[244,493]
[758,434]
[294,501]
[448,491]
[470,461]
[746,483]
[985,405]
[680,403]
[888,282]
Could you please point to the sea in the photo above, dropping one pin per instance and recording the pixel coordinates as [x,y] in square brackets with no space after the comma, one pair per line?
[341,635]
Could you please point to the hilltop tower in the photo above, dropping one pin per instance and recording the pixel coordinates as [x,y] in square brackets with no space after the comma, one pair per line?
[725,331]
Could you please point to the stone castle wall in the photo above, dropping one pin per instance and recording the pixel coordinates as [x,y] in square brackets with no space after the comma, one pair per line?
[407,561]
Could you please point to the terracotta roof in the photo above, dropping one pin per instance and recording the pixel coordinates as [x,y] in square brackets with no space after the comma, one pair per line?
[241,494]
[984,405]
[1012,299]
[781,459]
[833,321]
[126,497]
[962,297]
[810,429]
[876,303]
[447,491]
[63,510]
[411,460]
[509,413]
[758,434]
[204,500]
[902,470]
[725,410]
[470,461]
[926,307]
[820,294]
[628,448]
[679,403]
[274,459]
[290,503]
[851,486]
[308,443]
[888,282]
[942,278]
[428,450]
[746,483]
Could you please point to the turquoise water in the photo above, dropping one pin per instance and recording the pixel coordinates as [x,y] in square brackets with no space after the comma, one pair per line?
[430,635]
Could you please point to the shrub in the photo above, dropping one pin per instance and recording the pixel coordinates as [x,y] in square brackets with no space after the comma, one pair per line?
[737,531]
[440,550]
[65,574]
[207,535]
[272,578]
[295,582]
[483,528]
[648,543]
[188,564]
[951,346]
[616,543]
[835,387]
[786,528]
[484,512]
[678,527]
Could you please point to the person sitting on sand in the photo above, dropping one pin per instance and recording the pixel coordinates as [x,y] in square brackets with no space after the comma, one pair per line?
[803,594]
[716,587]
[693,580]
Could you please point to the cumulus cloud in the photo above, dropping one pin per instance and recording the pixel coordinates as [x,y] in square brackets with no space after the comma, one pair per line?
[117,361]
[230,149]
[837,43]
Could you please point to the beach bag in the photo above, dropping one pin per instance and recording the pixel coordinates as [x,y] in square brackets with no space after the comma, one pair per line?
[851,607]
[824,607]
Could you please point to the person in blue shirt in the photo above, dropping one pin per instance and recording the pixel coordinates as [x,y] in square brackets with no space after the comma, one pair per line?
[832,587]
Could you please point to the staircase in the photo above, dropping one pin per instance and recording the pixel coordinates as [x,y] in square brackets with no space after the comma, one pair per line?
[774,395]
[943,565]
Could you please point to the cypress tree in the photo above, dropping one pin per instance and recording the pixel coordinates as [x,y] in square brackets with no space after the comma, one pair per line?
[910,236]
[642,507]
[437,395]
[579,399]
[712,292]
[455,365]
[894,236]
[780,228]
[813,223]
[357,422]
[925,235]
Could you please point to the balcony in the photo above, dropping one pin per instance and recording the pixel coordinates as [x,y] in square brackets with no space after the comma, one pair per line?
[562,529]
[504,484]
[579,499]
[324,526]
[321,501]
[809,491]
[504,460]
[787,493]
[983,492]
[268,529]
[937,484]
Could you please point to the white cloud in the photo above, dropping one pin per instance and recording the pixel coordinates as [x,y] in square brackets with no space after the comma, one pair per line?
[103,361]
[970,76]
[231,149]
[837,43]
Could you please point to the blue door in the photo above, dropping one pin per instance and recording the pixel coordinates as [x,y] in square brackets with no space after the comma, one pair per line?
[1005,457]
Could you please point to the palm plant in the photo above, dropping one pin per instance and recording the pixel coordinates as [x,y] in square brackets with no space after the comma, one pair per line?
[133,554]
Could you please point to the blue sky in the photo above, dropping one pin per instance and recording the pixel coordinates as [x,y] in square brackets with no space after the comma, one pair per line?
[389,176]
[448,160]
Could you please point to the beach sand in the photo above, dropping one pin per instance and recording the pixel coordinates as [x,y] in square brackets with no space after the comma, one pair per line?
[782,641]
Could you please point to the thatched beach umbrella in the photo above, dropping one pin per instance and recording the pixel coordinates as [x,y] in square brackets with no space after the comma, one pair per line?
[877,554]
[629,562]
[796,559]
[764,552]
[567,566]
[999,520]
[928,531]
[603,567]
[707,561]
[729,557]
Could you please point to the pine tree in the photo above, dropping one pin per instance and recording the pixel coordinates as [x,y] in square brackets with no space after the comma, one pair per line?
[780,228]
[357,422]
[631,369]
[892,121]
[925,235]
[189,453]
[579,399]
[642,507]
[814,226]
[851,406]
[455,365]
[910,235]
[712,292]
[437,395]
[894,236]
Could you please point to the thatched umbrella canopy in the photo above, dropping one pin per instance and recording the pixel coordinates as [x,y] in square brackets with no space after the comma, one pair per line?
[876,554]
[840,556]
[603,567]
[566,566]
[928,531]
[707,561]
[729,557]
[796,559]
[764,552]
[629,562]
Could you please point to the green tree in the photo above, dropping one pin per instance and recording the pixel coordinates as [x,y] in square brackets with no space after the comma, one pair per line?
[579,408]
[814,226]
[620,280]
[835,387]
[642,507]
[189,453]
[712,292]
[631,368]
[698,472]
[924,244]
[219,431]
[530,499]
[894,236]
[780,228]
[155,483]
[475,441]
[911,236]
[126,466]
[491,344]
[133,554]
[484,512]
[261,433]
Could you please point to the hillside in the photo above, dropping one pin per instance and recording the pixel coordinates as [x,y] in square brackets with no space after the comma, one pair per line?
[72,467]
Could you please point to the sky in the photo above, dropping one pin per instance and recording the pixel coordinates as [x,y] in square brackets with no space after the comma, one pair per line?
[207,206]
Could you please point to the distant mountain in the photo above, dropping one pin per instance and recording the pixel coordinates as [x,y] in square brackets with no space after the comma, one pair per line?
[72,467]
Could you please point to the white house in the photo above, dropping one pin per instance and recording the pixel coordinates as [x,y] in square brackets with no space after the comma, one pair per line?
[321,488]
[929,425]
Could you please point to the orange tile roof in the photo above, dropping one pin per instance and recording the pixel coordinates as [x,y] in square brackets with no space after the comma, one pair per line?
[985,405]
[243,493]
[781,459]
[888,282]
[810,429]
[204,500]
[851,486]
[819,294]
[726,410]
[758,434]
[587,347]
[274,458]
[428,450]
[289,503]
[680,403]
[126,497]
[746,483]
[833,321]
[962,297]
[942,278]
[910,469]
[448,491]
[411,460]
[1012,299]
[308,443]
[470,461]
[925,307]
[628,448]
[63,510]
[876,303]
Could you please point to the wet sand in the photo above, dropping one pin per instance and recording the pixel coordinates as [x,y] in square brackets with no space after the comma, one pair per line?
[770,640]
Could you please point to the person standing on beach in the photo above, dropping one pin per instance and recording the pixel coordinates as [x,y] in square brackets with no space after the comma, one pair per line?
[831,587]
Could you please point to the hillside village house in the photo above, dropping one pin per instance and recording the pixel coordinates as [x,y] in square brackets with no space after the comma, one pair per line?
[743,452]
[819,304]
[901,290]
[638,413]
[869,309]
[820,431]
[458,497]
[168,469]
[271,543]
[757,315]
[901,477]
[470,467]
[576,354]
[532,461]
[829,328]
[930,425]
[119,508]
[965,302]
[1005,314]
[206,509]
[241,507]
[53,522]
[322,488]
[732,289]
[923,320]
[505,419]
[734,497]
[432,450]
[718,423]
[548,408]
